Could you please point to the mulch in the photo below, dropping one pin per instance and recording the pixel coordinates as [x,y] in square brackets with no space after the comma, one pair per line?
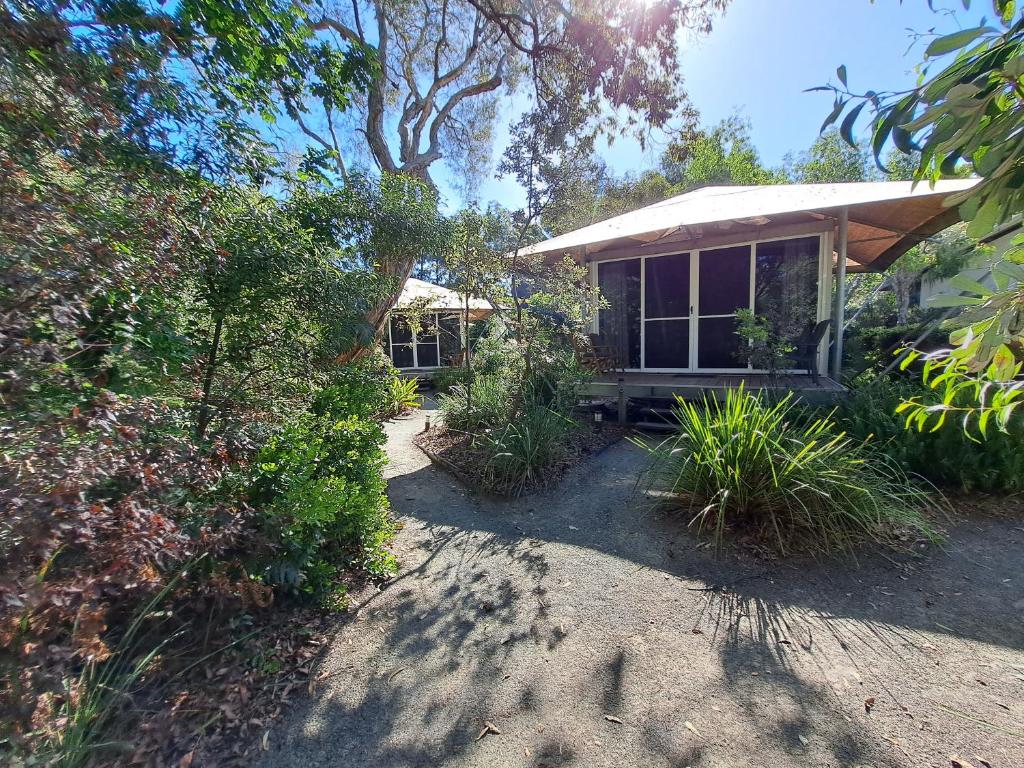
[455,452]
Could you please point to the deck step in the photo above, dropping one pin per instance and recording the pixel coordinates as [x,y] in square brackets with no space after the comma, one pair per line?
[655,426]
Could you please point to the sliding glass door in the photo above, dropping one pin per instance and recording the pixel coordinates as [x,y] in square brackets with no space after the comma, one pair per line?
[619,322]
[724,286]
[667,311]
[677,313]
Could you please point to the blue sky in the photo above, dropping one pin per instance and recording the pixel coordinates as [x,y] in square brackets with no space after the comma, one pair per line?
[763,54]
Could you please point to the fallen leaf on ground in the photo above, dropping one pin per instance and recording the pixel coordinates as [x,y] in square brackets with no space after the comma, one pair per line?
[265,743]
[489,727]
[612,719]
[803,739]
[691,727]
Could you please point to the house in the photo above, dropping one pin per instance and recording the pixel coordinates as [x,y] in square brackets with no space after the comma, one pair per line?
[675,273]
[426,329]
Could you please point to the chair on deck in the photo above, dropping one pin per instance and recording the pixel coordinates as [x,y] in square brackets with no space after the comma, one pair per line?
[806,353]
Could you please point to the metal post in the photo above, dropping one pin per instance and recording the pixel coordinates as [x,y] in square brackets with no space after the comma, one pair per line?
[622,400]
[839,311]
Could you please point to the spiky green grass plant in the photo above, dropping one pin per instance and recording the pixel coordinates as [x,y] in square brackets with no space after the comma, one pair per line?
[798,483]
[525,449]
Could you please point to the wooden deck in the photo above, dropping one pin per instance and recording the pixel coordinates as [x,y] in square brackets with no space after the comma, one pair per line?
[665,385]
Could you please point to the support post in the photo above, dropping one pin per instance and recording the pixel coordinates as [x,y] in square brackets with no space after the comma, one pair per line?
[623,416]
[839,310]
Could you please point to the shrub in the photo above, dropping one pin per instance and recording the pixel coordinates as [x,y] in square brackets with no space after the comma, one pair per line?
[485,403]
[445,379]
[403,396]
[369,388]
[321,494]
[946,457]
[751,466]
[523,449]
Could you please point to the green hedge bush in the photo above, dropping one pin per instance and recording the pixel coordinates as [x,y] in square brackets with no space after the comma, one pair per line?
[947,457]
[321,493]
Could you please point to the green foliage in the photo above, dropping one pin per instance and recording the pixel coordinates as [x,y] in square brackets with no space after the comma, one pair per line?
[369,388]
[403,395]
[750,466]
[947,457]
[525,448]
[321,494]
[966,112]
[486,402]
[766,348]
[831,160]
[722,154]
[446,379]
[872,347]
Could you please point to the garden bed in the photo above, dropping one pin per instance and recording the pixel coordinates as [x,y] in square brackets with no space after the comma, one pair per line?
[454,451]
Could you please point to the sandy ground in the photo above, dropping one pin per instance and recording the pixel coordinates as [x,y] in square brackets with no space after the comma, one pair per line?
[589,632]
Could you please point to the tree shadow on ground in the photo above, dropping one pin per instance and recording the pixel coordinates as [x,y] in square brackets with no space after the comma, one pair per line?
[455,641]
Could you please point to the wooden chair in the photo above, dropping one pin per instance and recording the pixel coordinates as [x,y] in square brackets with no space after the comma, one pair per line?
[806,353]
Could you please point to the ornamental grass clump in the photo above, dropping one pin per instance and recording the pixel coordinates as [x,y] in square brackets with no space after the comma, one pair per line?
[796,483]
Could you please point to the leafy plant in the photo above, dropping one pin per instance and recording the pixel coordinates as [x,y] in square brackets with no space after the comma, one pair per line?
[488,406]
[403,395]
[525,448]
[796,483]
[321,491]
[445,379]
[766,348]
[946,457]
[965,109]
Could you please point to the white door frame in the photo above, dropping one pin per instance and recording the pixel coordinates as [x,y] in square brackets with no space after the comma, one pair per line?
[415,345]
[822,312]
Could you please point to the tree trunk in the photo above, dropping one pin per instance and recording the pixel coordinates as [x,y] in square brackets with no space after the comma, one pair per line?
[398,266]
[203,418]
[903,282]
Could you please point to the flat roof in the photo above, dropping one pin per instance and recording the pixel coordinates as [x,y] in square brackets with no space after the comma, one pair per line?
[886,218]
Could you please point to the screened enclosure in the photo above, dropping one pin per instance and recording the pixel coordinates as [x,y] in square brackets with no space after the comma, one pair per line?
[678,312]
[433,340]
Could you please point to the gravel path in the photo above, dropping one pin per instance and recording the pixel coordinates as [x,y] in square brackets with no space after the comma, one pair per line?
[589,632]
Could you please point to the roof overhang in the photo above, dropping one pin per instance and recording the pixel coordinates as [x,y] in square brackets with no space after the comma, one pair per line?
[886,219]
[428,297]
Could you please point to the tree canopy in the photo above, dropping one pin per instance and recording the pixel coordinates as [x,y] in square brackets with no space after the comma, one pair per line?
[965,109]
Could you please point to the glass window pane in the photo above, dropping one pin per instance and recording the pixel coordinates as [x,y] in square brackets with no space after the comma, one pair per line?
[427,329]
[619,322]
[401,333]
[786,289]
[724,280]
[667,344]
[450,336]
[667,286]
[401,355]
[426,355]
[718,345]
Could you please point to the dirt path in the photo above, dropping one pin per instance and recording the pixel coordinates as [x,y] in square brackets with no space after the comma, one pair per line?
[591,633]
